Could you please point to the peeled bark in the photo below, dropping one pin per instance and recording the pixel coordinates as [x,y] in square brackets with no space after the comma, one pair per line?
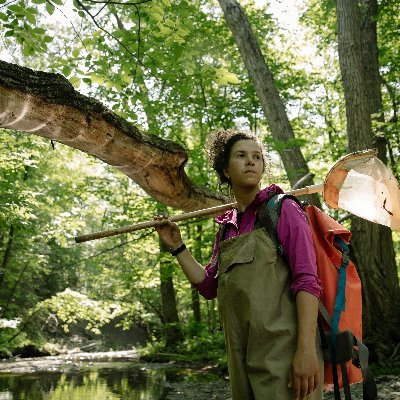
[372,245]
[47,105]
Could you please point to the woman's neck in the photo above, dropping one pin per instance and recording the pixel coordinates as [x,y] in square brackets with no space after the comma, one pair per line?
[244,197]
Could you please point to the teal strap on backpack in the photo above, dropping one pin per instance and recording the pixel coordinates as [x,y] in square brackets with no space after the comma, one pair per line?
[340,300]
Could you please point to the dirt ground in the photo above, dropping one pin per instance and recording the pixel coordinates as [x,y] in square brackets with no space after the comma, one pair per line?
[388,389]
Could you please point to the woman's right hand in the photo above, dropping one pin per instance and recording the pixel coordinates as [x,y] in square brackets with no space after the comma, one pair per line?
[169,232]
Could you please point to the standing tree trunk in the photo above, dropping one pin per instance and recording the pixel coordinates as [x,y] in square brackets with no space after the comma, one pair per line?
[198,257]
[267,91]
[372,244]
[172,327]
[173,334]
[6,257]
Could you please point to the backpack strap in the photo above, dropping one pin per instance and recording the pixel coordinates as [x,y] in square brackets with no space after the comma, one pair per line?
[359,359]
[222,232]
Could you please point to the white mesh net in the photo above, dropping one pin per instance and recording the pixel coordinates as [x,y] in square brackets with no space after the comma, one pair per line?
[371,191]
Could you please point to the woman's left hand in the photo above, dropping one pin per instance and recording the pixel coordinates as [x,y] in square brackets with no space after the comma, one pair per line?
[304,373]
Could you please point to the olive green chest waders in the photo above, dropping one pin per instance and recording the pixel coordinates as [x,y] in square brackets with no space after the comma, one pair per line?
[258,314]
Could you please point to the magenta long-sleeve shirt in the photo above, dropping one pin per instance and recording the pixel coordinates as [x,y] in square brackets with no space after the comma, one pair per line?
[293,233]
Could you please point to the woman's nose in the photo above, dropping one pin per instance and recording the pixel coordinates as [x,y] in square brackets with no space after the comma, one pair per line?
[249,161]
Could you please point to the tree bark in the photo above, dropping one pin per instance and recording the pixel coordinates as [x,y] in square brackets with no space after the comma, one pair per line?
[358,117]
[267,91]
[172,327]
[6,257]
[173,334]
[372,245]
[198,257]
[47,105]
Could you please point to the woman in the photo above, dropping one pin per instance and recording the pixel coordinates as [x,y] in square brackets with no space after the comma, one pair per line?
[268,309]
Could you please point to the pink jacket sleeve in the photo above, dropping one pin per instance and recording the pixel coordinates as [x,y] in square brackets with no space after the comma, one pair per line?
[295,236]
[208,288]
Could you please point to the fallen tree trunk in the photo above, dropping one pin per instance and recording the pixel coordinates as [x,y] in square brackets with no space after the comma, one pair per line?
[47,105]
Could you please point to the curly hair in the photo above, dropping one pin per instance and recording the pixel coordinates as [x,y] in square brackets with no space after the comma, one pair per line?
[219,146]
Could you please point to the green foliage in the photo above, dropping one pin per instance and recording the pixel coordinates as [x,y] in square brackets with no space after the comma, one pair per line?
[71,307]
[199,345]
[199,341]
[172,68]
[20,21]
[8,342]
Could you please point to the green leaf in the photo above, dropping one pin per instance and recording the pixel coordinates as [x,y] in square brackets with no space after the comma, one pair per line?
[178,39]
[75,81]
[75,53]
[169,23]
[113,84]
[87,41]
[139,71]
[16,8]
[224,77]
[3,17]
[66,70]
[48,39]
[31,18]
[156,10]
[27,49]
[58,2]
[126,67]
[9,33]
[126,78]
[38,1]
[31,10]
[156,17]
[39,31]
[97,79]
[182,32]
[165,31]
[50,8]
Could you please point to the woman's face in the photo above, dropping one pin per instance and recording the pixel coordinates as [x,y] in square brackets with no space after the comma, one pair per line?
[246,165]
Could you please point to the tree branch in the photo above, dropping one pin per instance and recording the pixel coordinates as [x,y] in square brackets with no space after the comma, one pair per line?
[47,105]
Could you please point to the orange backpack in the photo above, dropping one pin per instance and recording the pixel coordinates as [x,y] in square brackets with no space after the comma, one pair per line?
[345,356]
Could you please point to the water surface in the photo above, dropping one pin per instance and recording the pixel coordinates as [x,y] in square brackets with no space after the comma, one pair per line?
[99,381]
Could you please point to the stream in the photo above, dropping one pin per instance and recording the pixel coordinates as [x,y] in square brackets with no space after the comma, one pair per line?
[105,376]
[123,376]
